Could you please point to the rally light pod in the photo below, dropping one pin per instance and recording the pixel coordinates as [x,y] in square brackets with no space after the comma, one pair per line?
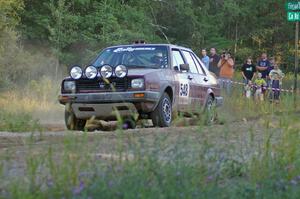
[76,72]
[91,72]
[106,71]
[121,71]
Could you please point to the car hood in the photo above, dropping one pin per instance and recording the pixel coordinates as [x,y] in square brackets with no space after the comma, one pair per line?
[142,71]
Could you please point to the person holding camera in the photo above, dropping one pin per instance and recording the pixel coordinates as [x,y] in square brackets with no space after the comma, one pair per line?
[226,65]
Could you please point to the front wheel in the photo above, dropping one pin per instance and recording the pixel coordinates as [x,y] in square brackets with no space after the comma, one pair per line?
[162,115]
[73,123]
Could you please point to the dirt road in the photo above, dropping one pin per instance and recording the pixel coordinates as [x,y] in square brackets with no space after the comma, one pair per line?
[239,132]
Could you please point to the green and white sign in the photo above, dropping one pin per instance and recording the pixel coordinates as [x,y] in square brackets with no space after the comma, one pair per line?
[293,16]
[292,6]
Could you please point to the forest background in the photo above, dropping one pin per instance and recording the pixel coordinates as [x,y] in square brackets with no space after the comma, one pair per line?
[44,37]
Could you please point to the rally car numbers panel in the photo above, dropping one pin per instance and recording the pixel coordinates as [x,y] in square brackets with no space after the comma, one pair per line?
[184,88]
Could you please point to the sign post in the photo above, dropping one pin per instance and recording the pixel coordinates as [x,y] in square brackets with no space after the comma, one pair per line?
[293,15]
[296,63]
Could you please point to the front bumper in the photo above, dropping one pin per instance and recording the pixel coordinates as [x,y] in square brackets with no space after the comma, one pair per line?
[219,101]
[110,97]
[111,105]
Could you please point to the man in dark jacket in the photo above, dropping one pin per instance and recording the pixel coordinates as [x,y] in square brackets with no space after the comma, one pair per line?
[213,62]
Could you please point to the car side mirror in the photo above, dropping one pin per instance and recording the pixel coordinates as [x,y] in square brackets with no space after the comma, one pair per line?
[184,67]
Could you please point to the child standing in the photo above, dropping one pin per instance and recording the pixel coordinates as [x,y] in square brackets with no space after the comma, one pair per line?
[276,76]
[248,89]
[260,83]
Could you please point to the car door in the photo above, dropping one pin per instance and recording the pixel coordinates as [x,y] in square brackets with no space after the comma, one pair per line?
[202,79]
[196,91]
[183,82]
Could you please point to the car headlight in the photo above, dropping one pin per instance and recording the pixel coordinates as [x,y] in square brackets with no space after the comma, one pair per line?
[121,71]
[137,83]
[91,72]
[69,86]
[76,72]
[106,71]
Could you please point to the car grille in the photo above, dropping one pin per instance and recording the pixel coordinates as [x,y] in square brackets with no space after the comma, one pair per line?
[114,84]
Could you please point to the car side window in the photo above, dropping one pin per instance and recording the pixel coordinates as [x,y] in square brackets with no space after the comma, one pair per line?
[198,64]
[190,61]
[177,59]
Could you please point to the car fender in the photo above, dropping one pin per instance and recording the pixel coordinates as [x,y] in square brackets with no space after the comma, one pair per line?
[208,93]
[162,90]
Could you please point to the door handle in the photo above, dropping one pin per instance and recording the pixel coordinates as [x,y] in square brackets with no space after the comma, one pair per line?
[205,79]
[190,77]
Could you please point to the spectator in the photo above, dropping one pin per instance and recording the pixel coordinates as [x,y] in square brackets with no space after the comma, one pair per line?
[263,66]
[205,58]
[271,67]
[213,62]
[226,65]
[248,89]
[260,85]
[248,71]
[276,76]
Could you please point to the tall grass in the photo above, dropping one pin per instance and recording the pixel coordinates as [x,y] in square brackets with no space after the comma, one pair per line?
[255,158]
[23,109]
[184,169]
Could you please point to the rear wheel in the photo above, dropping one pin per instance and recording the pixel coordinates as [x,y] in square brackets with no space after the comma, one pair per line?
[73,123]
[162,115]
[210,111]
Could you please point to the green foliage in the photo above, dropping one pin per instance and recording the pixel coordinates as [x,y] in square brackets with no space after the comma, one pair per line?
[9,16]
[18,122]
[18,65]
[77,29]
[244,53]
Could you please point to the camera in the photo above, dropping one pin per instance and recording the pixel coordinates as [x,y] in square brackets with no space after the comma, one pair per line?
[225,54]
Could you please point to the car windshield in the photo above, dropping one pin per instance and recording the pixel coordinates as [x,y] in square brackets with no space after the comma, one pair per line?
[134,56]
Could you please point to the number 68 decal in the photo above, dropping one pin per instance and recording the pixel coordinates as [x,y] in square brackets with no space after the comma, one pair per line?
[184,88]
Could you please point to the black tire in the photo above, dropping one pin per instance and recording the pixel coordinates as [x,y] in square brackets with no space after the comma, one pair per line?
[210,111]
[73,123]
[162,115]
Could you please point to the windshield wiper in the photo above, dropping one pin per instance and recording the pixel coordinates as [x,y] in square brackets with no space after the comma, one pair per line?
[140,66]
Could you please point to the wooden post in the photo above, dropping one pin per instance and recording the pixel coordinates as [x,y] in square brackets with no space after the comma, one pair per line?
[296,63]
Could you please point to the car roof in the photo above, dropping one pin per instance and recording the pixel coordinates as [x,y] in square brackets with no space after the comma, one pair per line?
[139,45]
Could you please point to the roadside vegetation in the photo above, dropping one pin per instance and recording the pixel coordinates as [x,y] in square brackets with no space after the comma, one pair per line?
[253,154]
[23,110]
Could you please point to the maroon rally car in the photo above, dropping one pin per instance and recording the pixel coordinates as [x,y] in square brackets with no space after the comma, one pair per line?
[140,81]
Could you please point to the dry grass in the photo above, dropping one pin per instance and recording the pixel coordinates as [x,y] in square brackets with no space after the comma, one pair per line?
[36,102]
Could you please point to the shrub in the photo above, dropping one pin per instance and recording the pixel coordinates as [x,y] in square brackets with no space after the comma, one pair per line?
[18,122]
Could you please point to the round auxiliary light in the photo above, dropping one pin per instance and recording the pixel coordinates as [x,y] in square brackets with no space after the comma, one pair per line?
[76,72]
[121,71]
[106,71]
[91,72]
